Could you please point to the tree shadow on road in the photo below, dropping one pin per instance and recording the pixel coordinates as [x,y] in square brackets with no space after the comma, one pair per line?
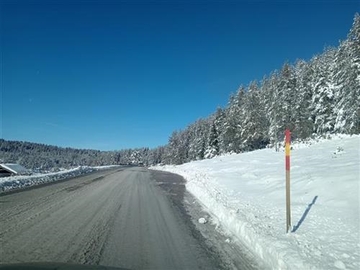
[297,226]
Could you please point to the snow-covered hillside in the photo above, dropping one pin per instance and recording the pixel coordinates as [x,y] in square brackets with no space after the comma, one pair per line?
[245,193]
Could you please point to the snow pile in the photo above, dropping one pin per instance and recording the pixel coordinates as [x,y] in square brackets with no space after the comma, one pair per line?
[245,193]
[202,220]
[23,181]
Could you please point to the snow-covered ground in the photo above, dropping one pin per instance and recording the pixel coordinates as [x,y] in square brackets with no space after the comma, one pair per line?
[22,181]
[245,193]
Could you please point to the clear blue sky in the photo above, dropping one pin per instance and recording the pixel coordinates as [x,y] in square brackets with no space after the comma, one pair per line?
[122,74]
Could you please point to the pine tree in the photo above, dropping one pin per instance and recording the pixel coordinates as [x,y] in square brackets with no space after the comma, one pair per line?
[347,82]
[303,123]
[273,105]
[323,98]
[233,121]
[254,123]
[213,142]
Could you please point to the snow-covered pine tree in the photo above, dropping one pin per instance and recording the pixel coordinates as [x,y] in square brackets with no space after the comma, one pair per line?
[172,153]
[232,126]
[347,82]
[323,98]
[272,101]
[219,125]
[286,94]
[253,124]
[213,146]
[303,123]
[229,131]
[199,142]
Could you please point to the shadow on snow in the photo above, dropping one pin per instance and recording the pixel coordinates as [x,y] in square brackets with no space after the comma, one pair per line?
[297,226]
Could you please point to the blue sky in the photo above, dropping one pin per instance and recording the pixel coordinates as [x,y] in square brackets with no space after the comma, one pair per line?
[123,74]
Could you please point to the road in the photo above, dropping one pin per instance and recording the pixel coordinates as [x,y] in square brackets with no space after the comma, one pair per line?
[121,218]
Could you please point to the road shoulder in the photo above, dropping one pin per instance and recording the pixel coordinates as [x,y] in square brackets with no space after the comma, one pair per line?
[221,246]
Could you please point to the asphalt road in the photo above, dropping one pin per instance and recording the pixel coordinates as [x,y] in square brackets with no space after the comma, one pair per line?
[121,218]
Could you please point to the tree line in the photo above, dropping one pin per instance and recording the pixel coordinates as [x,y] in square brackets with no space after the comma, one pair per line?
[42,157]
[314,98]
[311,98]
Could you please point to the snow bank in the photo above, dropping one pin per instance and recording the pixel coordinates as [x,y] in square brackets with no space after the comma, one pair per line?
[246,194]
[23,181]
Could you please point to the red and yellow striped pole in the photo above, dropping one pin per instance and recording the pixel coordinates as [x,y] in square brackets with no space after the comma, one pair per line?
[287,168]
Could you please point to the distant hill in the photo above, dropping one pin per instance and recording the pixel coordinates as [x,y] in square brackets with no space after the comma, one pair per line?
[44,157]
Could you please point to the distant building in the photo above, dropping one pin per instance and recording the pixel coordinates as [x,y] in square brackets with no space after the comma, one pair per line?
[9,169]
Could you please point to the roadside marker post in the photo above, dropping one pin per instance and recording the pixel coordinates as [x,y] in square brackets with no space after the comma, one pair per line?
[287,168]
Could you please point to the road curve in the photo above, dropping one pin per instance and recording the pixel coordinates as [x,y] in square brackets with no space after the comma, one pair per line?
[118,218]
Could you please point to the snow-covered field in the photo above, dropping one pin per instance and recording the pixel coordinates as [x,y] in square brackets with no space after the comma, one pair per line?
[245,193]
[22,181]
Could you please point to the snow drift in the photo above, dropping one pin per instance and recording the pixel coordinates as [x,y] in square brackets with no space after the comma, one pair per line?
[245,193]
[23,181]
